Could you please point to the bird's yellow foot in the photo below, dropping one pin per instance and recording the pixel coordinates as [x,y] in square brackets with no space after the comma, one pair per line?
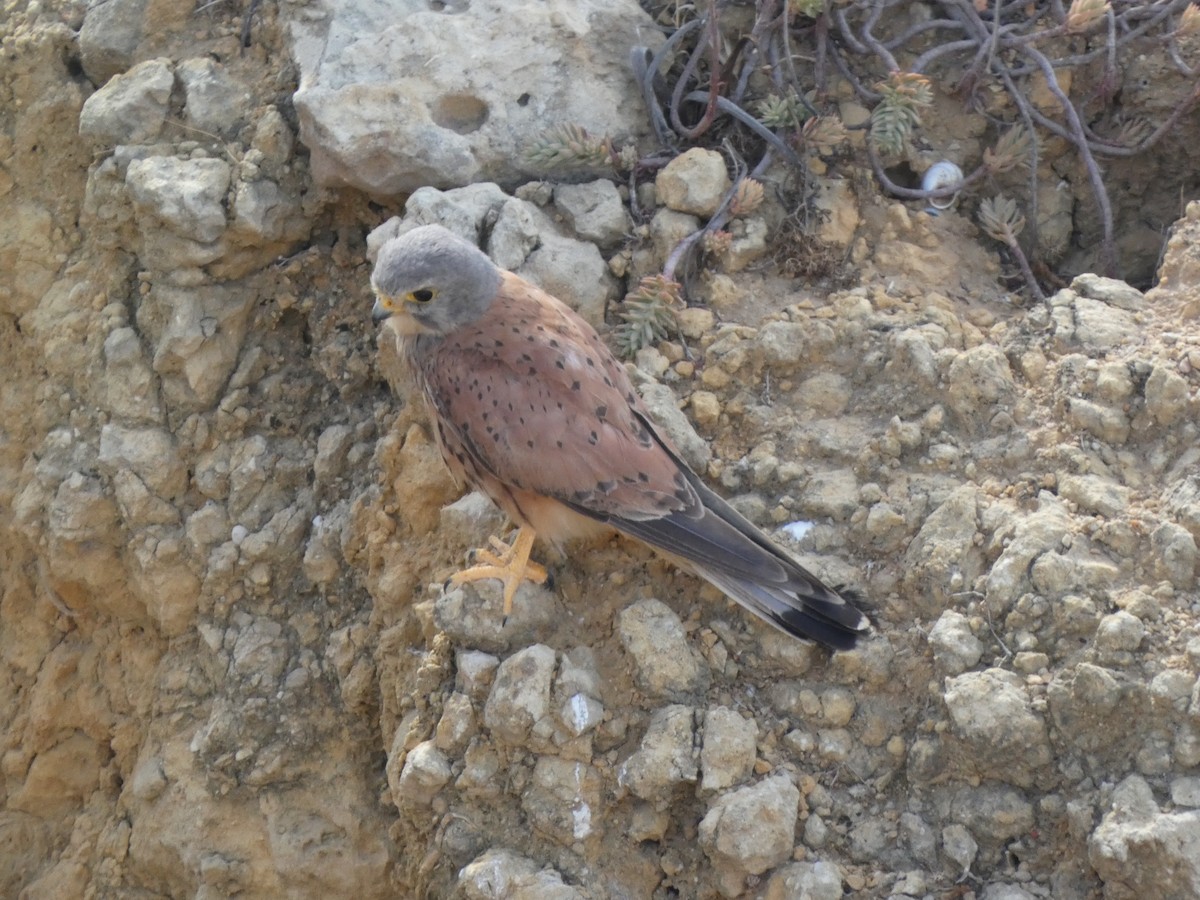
[508,562]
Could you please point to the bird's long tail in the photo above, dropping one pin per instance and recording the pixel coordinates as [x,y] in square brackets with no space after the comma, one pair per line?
[720,545]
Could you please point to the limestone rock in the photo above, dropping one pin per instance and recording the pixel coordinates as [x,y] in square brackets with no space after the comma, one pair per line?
[992,713]
[473,614]
[393,98]
[806,881]
[784,344]
[1119,632]
[272,139]
[832,494]
[563,802]
[27,253]
[472,519]
[749,242]
[1166,395]
[1031,538]
[573,271]
[185,195]
[942,554]
[130,387]
[955,647]
[519,701]
[263,212]
[1095,493]
[1090,324]
[109,36]
[667,229]
[959,847]
[750,829]
[426,771]
[577,690]
[504,875]
[202,329]
[993,813]
[663,405]
[1112,291]
[663,663]
[666,756]
[132,107]
[1175,554]
[693,182]
[728,752]
[1140,851]
[1108,424]
[594,211]
[213,101]
[980,384]
[150,453]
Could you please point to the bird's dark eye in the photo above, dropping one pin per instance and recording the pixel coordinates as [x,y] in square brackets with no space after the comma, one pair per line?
[422,296]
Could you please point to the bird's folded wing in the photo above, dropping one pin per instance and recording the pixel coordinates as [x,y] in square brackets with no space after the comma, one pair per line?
[540,404]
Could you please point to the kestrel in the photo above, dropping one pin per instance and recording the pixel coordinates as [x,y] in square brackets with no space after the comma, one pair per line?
[530,407]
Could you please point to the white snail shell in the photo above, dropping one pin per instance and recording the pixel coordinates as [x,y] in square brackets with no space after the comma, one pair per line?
[941,174]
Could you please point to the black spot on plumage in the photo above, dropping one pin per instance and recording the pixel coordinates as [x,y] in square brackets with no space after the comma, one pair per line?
[560,446]
[643,477]
[605,486]
[575,385]
[593,438]
[533,371]
[553,342]
[591,362]
[601,411]
[529,444]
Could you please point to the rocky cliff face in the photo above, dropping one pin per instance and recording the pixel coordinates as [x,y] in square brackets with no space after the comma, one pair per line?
[227,666]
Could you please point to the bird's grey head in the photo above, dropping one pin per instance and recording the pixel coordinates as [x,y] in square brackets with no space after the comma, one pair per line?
[433,279]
